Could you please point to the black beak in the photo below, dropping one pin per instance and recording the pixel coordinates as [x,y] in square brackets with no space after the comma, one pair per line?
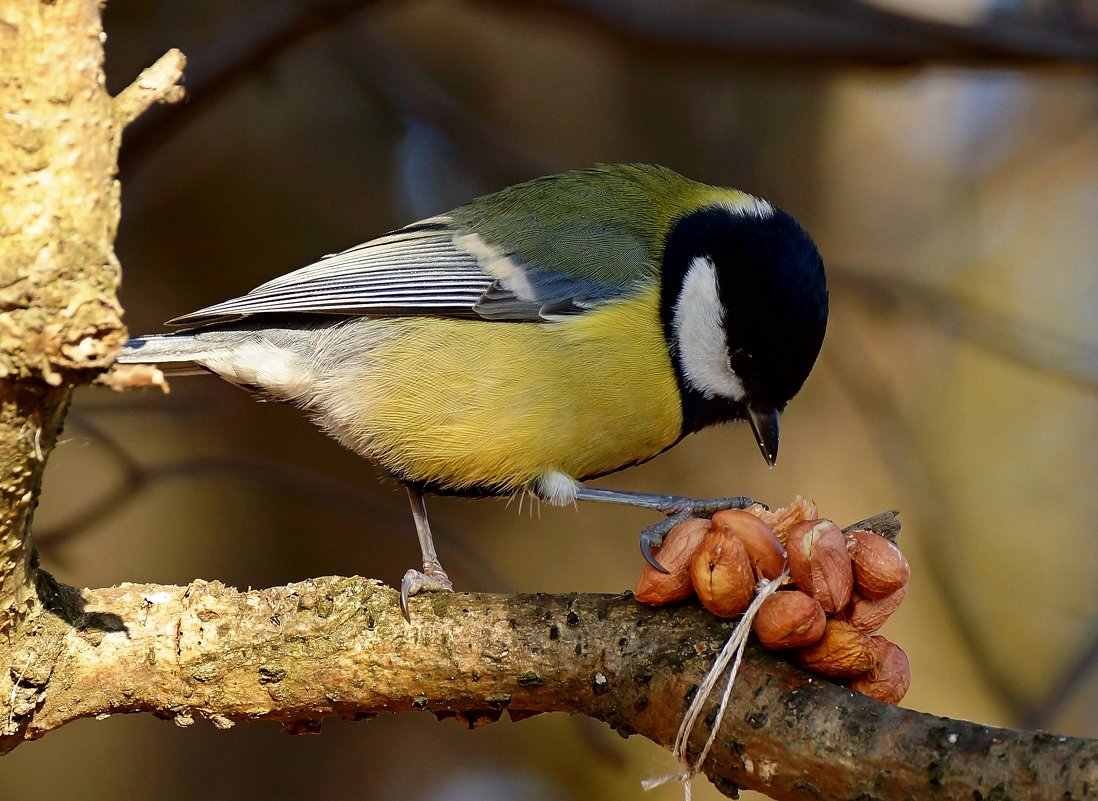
[764,424]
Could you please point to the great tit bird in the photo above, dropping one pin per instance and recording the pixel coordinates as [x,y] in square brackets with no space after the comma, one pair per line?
[553,332]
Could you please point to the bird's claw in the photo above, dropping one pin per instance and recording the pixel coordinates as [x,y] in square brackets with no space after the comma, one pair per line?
[652,537]
[431,579]
[710,506]
[679,509]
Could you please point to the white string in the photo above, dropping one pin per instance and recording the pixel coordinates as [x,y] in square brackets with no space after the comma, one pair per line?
[732,652]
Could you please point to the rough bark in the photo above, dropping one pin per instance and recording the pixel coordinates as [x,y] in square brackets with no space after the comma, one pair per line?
[339,647]
[60,322]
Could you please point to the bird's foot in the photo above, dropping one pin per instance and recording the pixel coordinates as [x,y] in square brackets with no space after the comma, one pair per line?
[431,579]
[679,508]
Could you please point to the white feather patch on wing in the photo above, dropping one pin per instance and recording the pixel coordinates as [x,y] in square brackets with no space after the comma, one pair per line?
[698,321]
[497,264]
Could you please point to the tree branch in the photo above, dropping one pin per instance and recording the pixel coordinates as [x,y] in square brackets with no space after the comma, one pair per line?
[60,322]
[58,213]
[339,647]
[159,83]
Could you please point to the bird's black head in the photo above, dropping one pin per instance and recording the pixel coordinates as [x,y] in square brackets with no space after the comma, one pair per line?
[744,307]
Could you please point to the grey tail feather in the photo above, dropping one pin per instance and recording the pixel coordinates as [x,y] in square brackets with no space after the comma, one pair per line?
[174,354]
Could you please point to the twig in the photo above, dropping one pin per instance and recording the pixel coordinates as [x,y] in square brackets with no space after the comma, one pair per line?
[159,83]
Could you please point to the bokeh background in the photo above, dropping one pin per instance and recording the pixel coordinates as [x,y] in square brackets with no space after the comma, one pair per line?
[943,154]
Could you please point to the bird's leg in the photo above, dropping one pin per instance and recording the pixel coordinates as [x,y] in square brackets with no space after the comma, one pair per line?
[677,508]
[432,578]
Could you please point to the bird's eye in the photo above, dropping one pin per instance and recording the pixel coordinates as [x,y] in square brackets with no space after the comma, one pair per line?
[739,359]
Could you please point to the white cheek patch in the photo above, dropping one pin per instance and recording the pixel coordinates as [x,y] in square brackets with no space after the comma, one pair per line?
[699,333]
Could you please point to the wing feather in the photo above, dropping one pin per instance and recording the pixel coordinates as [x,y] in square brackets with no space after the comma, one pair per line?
[414,270]
[433,267]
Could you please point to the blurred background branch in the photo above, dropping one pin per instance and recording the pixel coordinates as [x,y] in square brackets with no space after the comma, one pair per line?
[1036,348]
[837,34]
[840,33]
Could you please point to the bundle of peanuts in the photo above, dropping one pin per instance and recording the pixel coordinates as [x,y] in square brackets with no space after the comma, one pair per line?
[842,587]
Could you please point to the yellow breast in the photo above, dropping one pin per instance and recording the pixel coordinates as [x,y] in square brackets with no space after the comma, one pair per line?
[467,403]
